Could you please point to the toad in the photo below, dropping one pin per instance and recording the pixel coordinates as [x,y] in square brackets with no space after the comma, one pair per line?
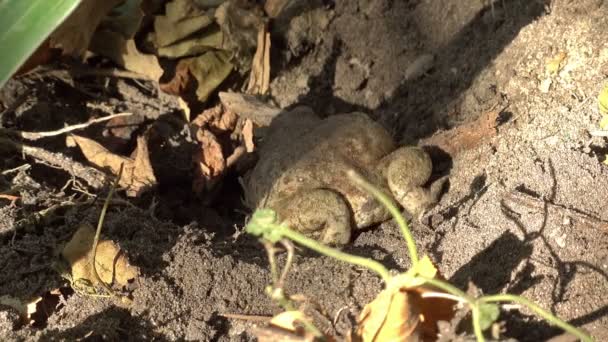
[302,174]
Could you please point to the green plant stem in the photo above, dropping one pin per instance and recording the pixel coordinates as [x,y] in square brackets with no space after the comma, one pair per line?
[102,216]
[451,289]
[392,208]
[539,311]
[334,253]
[476,325]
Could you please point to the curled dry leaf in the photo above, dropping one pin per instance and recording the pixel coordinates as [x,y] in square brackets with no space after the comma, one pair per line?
[111,264]
[181,80]
[209,160]
[210,70]
[217,119]
[74,34]
[138,174]
[400,313]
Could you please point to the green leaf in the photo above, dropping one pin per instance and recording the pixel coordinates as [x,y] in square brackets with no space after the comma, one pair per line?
[263,223]
[24,25]
[488,314]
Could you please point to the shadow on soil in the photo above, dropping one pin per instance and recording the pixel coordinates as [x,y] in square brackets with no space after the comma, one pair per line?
[112,324]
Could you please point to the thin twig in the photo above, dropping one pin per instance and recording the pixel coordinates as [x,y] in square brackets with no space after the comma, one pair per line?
[95,178]
[17,169]
[67,129]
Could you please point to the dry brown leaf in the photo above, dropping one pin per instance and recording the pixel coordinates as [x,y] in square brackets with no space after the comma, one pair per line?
[466,136]
[217,118]
[209,160]
[182,18]
[402,320]
[392,316]
[250,107]
[400,313]
[248,135]
[259,79]
[213,39]
[181,80]
[210,70]
[125,53]
[433,310]
[137,175]
[274,7]
[74,34]
[111,264]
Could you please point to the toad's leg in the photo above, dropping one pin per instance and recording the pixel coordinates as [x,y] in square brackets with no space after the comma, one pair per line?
[319,213]
[407,170]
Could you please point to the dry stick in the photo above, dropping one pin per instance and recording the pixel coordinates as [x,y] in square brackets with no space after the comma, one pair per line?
[95,178]
[67,129]
[249,107]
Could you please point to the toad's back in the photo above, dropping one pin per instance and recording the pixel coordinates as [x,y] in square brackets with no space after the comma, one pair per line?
[317,155]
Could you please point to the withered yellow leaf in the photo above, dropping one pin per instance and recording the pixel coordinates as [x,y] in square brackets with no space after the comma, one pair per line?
[400,313]
[210,70]
[111,264]
[137,175]
[391,316]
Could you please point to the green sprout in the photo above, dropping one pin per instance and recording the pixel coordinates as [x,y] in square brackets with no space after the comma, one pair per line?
[264,223]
